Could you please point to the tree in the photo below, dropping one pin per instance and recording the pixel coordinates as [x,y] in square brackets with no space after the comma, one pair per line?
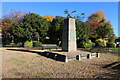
[68,14]
[95,20]
[82,33]
[55,30]
[80,18]
[104,31]
[33,27]
[49,18]
[7,20]
[99,27]
[6,23]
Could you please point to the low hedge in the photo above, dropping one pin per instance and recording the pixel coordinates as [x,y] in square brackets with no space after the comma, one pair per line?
[37,44]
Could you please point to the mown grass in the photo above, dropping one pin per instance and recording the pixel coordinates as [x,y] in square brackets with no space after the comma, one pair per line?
[15,60]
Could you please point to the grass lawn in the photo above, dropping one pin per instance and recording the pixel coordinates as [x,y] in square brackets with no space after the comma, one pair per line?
[113,48]
[17,64]
[102,50]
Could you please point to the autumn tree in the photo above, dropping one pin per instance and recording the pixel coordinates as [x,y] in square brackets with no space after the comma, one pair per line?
[95,20]
[49,18]
[6,22]
[99,27]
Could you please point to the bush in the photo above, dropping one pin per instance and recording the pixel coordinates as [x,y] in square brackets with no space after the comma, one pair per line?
[14,45]
[111,44]
[28,44]
[37,44]
[89,44]
[100,43]
[119,45]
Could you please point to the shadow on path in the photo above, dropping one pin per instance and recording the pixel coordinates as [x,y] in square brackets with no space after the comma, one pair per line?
[54,56]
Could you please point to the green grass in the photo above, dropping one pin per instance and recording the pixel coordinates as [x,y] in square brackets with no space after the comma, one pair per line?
[113,48]
[102,50]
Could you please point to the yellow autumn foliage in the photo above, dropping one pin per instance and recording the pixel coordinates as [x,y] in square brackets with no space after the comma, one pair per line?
[49,18]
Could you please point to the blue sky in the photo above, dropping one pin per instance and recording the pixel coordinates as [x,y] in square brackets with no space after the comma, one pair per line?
[57,9]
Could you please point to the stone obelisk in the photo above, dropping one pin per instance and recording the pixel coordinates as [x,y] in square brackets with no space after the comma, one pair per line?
[69,35]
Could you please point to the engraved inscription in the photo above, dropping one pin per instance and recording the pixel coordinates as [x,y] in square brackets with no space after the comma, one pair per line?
[72,36]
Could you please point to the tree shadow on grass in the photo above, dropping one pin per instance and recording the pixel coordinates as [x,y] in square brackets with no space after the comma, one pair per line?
[54,56]
[110,65]
[115,71]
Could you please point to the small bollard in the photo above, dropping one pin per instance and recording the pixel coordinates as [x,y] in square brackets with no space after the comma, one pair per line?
[78,57]
[98,55]
[66,59]
[41,53]
[89,56]
[55,56]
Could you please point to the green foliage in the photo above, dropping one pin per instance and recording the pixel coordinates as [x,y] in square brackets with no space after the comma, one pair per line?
[36,25]
[37,44]
[111,45]
[100,43]
[87,44]
[105,30]
[99,27]
[82,31]
[68,14]
[55,30]
[6,40]
[14,45]
[32,27]
[80,18]
[28,44]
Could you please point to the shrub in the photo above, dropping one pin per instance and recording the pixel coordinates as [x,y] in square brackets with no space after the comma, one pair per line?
[19,44]
[37,44]
[100,43]
[14,45]
[111,44]
[119,45]
[89,44]
[28,44]
[80,44]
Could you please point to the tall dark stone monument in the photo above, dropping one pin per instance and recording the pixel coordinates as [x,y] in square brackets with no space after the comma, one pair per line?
[69,35]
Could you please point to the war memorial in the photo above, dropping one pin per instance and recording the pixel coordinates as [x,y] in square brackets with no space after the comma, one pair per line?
[69,47]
